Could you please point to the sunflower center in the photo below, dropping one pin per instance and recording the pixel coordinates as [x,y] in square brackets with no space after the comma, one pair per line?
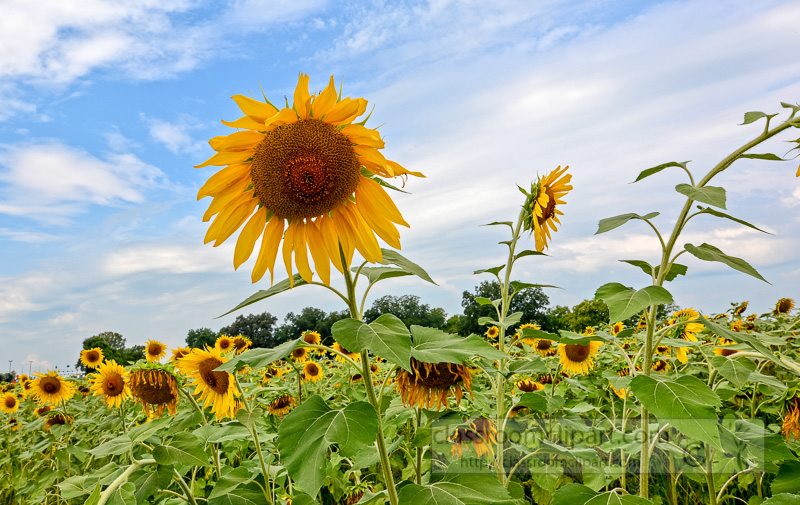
[282,402]
[437,375]
[547,212]
[50,385]
[544,345]
[113,384]
[577,353]
[304,169]
[154,349]
[217,381]
[92,356]
[239,343]
[784,306]
[10,402]
[312,370]
[154,387]
[727,352]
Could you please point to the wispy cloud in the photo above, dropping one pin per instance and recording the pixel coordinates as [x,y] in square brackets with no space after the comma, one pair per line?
[175,135]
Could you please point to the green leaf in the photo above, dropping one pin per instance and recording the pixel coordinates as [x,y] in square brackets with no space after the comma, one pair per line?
[248,419]
[94,498]
[711,195]
[386,337]
[184,449]
[528,252]
[788,479]
[434,346]
[685,402]
[624,302]
[308,431]
[765,156]
[494,270]
[231,479]
[741,337]
[507,223]
[466,489]
[707,252]
[259,358]
[657,169]
[392,257]
[280,287]
[737,371]
[73,487]
[375,274]
[123,495]
[610,223]
[519,286]
[113,447]
[151,480]
[675,270]
[249,494]
[782,499]
[143,431]
[750,117]
[708,210]
[485,301]
[532,365]
[578,494]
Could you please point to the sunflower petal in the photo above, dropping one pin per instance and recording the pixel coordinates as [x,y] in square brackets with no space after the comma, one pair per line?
[301,252]
[247,239]
[346,111]
[226,159]
[325,100]
[247,123]
[241,141]
[316,245]
[270,242]
[372,191]
[288,240]
[254,108]
[301,96]
[329,237]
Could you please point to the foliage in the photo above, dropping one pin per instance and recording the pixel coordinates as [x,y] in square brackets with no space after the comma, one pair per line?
[309,319]
[531,303]
[113,346]
[256,327]
[408,309]
[200,338]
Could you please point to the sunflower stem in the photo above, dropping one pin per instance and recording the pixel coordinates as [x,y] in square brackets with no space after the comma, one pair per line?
[254,431]
[123,477]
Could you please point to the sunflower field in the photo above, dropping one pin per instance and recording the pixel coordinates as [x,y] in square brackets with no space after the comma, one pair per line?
[682,409]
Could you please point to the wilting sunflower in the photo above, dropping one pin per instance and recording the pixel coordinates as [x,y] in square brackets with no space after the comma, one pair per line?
[660,365]
[177,354]
[355,493]
[739,310]
[481,432]
[720,316]
[57,419]
[224,343]
[91,358]
[42,410]
[428,384]
[51,388]
[156,388]
[791,422]
[340,348]
[723,351]
[9,403]
[302,165]
[528,386]
[241,344]
[492,333]
[312,371]
[218,389]
[281,405]
[111,382]
[578,358]
[617,327]
[783,306]
[154,351]
[299,354]
[540,205]
[272,372]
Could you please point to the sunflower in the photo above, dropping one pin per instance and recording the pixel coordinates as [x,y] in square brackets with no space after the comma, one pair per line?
[720,316]
[642,324]
[492,333]
[311,337]
[84,390]
[23,377]
[9,403]
[272,372]
[617,327]
[428,384]
[661,365]
[518,410]
[51,388]
[39,412]
[281,405]
[481,432]
[739,310]
[156,388]
[544,347]
[540,205]
[299,354]
[340,348]
[354,494]
[621,393]
[528,386]
[177,354]
[302,165]
[791,422]
[783,306]
[241,344]
[111,382]
[27,387]
[312,372]
[90,358]
[218,389]
[723,351]
[521,333]
[57,419]
[154,351]
[577,358]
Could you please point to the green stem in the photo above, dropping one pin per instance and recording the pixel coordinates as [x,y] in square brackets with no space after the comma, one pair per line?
[254,431]
[182,484]
[418,449]
[123,477]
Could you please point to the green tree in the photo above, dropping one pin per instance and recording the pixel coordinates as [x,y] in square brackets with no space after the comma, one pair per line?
[200,338]
[256,327]
[310,318]
[586,313]
[531,302]
[113,346]
[408,309]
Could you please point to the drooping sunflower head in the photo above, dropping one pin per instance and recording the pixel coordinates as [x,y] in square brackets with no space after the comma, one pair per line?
[578,358]
[541,205]
[271,372]
[241,344]
[482,432]
[528,385]
[111,382]
[783,306]
[281,405]
[342,349]
[302,165]
[492,333]
[56,419]
[51,388]
[156,388]
[354,494]
[39,412]
[217,389]
[689,330]
[312,371]
[621,393]
[177,354]
[725,351]
[428,384]
[617,328]
[90,358]
[312,337]
[660,365]
[224,343]
[791,421]
[9,403]
[154,351]
[738,310]
[544,347]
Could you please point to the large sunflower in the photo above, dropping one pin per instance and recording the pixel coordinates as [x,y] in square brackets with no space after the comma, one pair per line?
[312,371]
[541,211]
[91,358]
[578,358]
[156,388]
[9,403]
[111,382]
[303,165]
[218,389]
[51,388]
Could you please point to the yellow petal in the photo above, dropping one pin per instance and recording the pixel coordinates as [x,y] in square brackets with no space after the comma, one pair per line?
[288,239]
[319,253]
[379,224]
[372,191]
[346,236]
[226,159]
[300,252]
[329,236]
[247,239]
[223,179]
[346,111]
[222,199]
[241,141]
[325,100]
[269,249]
[247,123]
[235,220]
[301,96]
[283,116]
[259,111]
[399,170]
[362,135]
[366,242]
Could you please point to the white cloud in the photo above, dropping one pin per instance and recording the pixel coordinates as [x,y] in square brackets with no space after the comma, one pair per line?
[27,236]
[65,318]
[169,259]
[175,135]
[261,14]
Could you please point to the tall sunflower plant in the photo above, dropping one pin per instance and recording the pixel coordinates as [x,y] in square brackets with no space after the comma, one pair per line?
[681,401]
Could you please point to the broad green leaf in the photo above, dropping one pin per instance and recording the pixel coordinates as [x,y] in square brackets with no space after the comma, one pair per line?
[760,378]
[741,337]
[708,252]
[249,494]
[149,480]
[143,431]
[73,487]
[184,449]
[788,479]
[386,337]
[485,301]
[645,266]
[375,274]
[578,494]
[782,499]
[466,489]
[214,434]
[123,495]
[512,319]
[494,270]
[536,400]
[259,358]
[711,195]
[392,257]
[304,499]
[685,402]
[248,419]
[528,252]
[309,430]
[737,371]
[570,337]
[280,287]
[765,156]
[113,447]
[750,117]
[94,498]
[435,346]
[657,169]
[610,223]
[709,210]
[625,302]
[532,365]
[761,443]
[675,270]
[517,286]
[231,479]
[585,454]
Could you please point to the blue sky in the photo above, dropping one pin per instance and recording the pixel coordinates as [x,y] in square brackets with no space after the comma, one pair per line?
[105,107]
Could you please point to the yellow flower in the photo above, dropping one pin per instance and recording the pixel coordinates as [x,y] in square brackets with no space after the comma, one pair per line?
[528,386]
[312,371]
[9,403]
[783,306]
[739,310]
[428,384]
[224,343]
[299,354]
[111,382]
[541,211]
[177,354]
[791,422]
[302,165]
[90,358]
[481,432]
[544,347]
[155,351]
[241,344]
[340,348]
[723,351]
[493,332]
[51,388]
[281,405]
[617,327]
[577,358]
[218,389]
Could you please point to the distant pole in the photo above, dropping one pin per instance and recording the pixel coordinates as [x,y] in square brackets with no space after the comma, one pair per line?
[9,365]
[30,367]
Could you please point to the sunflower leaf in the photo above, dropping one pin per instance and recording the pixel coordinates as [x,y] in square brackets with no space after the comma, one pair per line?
[645,266]
[709,210]
[707,252]
[485,301]
[578,494]
[280,287]
[657,169]
[737,371]
[259,358]
[494,270]
[741,337]
[375,274]
[624,302]
[711,195]
[751,117]
[765,156]
[386,337]
[495,223]
[306,434]
[528,252]
[247,494]
[610,223]
[518,286]
[434,346]
[392,257]
[184,449]
[464,489]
